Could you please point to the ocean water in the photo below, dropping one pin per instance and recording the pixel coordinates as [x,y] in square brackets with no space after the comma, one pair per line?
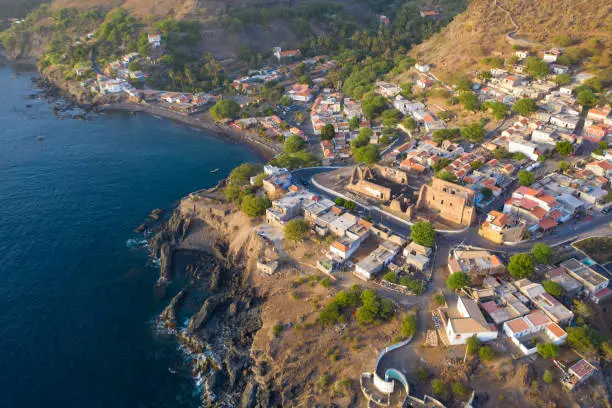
[76,305]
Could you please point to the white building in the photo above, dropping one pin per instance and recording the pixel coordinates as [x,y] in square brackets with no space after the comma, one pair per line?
[519,145]
[155,40]
[525,332]
[406,106]
[465,320]
[368,267]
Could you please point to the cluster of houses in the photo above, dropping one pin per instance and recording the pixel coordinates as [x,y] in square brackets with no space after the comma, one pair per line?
[598,125]
[249,83]
[348,230]
[522,310]
[273,126]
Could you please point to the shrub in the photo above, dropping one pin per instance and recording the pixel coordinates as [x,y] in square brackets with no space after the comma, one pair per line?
[294,144]
[254,206]
[460,390]
[486,353]
[438,388]
[325,282]
[409,325]
[564,148]
[390,277]
[414,285]
[439,299]
[547,377]
[548,350]
[447,176]
[367,154]
[422,375]
[472,345]
[277,329]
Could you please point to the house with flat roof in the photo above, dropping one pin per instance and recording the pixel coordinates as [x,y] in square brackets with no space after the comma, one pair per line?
[544,301]
[463,319]
[368,267]
[526,332]
[477,264]
[595,285]
[287,207]
[503,307]
[571,287]
[416,256]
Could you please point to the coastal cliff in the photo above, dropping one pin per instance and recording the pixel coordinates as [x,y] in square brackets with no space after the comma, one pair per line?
[253,339]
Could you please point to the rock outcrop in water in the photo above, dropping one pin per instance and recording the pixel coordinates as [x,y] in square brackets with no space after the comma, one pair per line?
[224,311]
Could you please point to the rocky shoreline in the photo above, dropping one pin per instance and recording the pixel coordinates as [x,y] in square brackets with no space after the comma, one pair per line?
[222,310]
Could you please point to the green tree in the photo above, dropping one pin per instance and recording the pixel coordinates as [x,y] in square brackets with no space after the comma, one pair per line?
[339,201]
[553,288]
[548,350]
[233,193]
[367,154]
[498,109]
[134,66]
[526,178]
[563,166]
[350,205]
[391,117]
[501,153]
[586,98]
[521,266]
[542,253]
[564,148]
[242,174]
[518,156]
[328,132]
[473,132]
[487,193]
[447,176]
[442,163]
[409,325]
[583,339]
[372,105]
[547,377]
[294,144]
[254,206]
[582,309]
[296,230]
[563,79]
[458,280]
[423,233]
[525,106]
[363,139]
[225,108]
[354,123]
[470,101]
[286,100]
[409,123]
[536,67]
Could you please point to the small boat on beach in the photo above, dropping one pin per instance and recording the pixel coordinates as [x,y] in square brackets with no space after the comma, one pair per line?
[215,170]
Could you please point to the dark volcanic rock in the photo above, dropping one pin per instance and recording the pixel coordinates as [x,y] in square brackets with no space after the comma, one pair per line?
[249,396]
[204,314]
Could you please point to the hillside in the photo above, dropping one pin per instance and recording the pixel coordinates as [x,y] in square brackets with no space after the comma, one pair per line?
[481,30]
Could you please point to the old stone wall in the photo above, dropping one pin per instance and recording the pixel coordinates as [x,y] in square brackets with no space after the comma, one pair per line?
[450,201]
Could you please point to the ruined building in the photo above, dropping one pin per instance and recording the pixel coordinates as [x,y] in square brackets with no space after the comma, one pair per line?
[448,201]
[362,182]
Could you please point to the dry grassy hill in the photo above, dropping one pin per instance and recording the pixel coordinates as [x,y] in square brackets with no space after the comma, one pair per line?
[139,7]
[481,30]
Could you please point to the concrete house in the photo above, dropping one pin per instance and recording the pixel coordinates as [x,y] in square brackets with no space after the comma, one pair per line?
[463,319]
[526,332]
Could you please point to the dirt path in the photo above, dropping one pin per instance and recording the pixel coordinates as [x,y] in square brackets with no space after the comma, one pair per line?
[511,36]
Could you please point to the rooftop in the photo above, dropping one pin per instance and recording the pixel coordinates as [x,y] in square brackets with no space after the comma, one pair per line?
[584,272]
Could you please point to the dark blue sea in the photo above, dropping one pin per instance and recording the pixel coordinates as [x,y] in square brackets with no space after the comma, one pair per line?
[76,305]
